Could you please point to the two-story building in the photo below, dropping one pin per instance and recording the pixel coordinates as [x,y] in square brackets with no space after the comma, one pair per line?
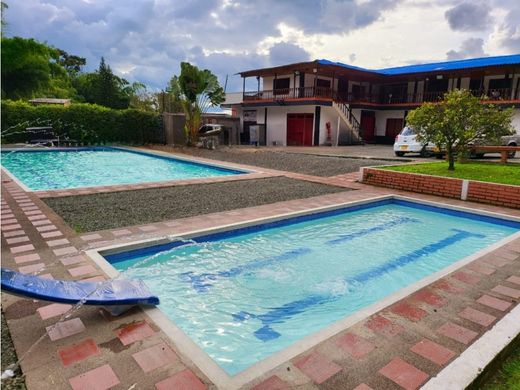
[323,102]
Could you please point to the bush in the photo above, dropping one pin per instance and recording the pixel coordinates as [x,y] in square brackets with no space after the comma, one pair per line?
[86,123]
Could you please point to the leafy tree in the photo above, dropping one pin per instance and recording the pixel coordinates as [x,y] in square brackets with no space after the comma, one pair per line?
[26,67]
[459,120]
[198,90]
[141,99]
[71,63]
[103,87]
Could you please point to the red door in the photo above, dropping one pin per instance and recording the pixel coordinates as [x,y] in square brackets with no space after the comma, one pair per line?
[299,129]
[368,125]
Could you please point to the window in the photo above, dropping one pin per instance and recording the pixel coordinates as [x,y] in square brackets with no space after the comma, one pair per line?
[407,131]
[281,86]
[321,83]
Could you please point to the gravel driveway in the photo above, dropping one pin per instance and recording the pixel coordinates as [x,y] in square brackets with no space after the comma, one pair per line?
[87,213]
[293,162]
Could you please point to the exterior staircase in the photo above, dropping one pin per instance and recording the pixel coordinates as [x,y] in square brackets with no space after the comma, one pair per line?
[355,132]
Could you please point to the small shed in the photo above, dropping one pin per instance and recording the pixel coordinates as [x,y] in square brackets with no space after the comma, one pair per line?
[39,101]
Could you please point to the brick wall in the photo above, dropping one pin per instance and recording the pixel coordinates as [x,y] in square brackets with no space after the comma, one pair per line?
[491,193]
[497,194]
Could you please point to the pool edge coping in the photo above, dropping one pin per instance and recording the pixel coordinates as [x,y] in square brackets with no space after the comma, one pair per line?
[197,356]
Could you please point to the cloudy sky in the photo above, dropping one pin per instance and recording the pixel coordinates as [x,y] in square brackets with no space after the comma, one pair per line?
[146,40]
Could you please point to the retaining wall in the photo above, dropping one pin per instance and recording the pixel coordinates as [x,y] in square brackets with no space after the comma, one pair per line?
[476,191]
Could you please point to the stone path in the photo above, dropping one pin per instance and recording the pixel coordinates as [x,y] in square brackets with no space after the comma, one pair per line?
[402,346]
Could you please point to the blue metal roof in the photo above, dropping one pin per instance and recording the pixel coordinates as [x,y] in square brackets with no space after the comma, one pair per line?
[435,66]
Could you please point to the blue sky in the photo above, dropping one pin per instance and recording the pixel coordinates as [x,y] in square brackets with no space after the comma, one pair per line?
[145,40]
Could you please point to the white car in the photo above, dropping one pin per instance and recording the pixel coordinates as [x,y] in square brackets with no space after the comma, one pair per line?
[406,142]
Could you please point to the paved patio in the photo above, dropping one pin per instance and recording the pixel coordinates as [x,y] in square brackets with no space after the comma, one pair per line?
[402,346]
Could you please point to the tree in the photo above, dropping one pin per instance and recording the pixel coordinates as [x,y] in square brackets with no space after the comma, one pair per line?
[71,63]
[198,90]
[103,87]
[457,121]
[26,67]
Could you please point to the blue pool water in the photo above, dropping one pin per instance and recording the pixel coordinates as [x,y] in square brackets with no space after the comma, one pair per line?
[246,294]
[50,170]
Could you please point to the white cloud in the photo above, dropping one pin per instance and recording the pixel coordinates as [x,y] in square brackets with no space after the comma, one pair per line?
[147,39]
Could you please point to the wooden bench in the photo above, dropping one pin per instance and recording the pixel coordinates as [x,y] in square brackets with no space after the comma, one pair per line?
[503,150]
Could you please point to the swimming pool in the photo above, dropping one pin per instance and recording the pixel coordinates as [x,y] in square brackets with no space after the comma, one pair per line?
[89,167]
[245,294]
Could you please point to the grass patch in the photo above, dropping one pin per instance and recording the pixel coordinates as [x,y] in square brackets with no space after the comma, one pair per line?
[490,172]
[507,376]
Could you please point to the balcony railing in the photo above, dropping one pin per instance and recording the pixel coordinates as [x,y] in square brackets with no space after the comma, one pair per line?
[505,94]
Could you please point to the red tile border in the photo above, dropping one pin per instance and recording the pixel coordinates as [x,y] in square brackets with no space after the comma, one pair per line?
[100,378]
[477,316]
[404,374]
[134,332]
[384,326]
[354,345]
[77,352]
[272,383]
[408,311]
[432,351]
[506,291]
[457,333]
[154,357]
[494,303]
[317,367]
[184,380]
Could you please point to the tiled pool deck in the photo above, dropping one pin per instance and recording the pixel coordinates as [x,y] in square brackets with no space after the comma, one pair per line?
[402,346]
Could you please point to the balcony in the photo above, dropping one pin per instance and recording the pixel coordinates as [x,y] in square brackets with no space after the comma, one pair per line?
[504,95]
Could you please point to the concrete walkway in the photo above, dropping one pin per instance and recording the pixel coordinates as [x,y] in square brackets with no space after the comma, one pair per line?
[401,346]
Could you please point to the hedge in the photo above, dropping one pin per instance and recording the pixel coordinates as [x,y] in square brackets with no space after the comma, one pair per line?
[86,123]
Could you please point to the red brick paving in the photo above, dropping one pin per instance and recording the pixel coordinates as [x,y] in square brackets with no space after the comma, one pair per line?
[477,316]
[384,326]
[78,352]
[363,386]
[378,324]
[465,277]
[408,311]
[272,383]
[432,351]
[317,367]
[457,332]
[494,303]
[514,279]
[184,380]
[154,357]
[53,310]
[507,291]
[134,332]
[354,345]
[64,329]
[430,298]
[404,374]
[100,378]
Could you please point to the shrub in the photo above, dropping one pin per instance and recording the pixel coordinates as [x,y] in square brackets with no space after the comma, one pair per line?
[87,123]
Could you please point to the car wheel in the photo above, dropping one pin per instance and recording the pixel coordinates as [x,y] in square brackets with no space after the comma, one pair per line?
[513,153]
[425,153]
[480,155]
[399,154]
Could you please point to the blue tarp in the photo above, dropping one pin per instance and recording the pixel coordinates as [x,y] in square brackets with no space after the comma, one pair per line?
[104,293]
[436,66]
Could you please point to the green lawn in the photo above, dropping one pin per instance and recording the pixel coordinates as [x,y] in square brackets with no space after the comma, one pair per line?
[507,376]
[496,173]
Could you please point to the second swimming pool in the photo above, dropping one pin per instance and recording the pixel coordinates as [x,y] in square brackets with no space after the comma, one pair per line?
[246,294]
